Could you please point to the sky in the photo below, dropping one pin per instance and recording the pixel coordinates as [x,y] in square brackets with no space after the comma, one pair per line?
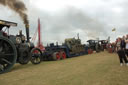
[62,19]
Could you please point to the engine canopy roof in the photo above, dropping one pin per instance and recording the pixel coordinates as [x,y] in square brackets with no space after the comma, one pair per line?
[4,23]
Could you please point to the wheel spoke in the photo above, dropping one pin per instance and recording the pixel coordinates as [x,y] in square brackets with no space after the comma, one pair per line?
[6,48]
[2,54]
[8,54]
[1,67]
[5,60]
[37,59]
[1,42]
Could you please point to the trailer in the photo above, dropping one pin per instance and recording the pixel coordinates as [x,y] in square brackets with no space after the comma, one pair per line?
[70,48]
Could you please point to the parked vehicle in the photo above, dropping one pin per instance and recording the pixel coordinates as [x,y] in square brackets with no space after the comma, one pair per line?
[94,45]
[14,48]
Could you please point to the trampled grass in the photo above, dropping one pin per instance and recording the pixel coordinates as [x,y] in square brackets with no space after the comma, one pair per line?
[96,69]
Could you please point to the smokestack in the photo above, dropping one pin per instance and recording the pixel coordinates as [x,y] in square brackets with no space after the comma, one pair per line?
[27,32]
[78,36]
[19,7]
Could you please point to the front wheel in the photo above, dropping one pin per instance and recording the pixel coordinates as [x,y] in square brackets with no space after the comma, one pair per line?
[24,57]
[36,54]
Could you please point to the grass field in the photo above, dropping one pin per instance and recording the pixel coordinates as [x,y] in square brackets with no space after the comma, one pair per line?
[95,69]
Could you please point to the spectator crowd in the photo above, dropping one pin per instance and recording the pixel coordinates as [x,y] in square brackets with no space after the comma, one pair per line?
[121,47]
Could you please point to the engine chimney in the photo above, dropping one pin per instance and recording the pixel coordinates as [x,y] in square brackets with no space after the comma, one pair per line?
[78,36]
[27,33]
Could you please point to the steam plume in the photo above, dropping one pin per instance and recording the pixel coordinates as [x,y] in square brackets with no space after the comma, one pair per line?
[18,6]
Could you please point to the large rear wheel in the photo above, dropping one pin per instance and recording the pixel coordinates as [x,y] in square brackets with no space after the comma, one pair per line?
[8,54]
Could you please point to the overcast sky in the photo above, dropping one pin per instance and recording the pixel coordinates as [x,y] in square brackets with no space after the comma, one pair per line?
[62,19]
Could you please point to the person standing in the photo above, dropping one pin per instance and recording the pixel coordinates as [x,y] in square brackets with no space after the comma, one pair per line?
[123,43]
[121,52]
[126,46]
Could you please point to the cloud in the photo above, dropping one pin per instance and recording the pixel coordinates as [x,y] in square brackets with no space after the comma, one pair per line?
[91,20]
[66,24]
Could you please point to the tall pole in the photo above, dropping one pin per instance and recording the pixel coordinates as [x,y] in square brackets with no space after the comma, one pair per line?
[39,34]
[40,45]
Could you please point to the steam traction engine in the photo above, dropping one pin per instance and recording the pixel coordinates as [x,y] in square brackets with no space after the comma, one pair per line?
[104,44]
[94,45]
[75,47]
[15,48]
